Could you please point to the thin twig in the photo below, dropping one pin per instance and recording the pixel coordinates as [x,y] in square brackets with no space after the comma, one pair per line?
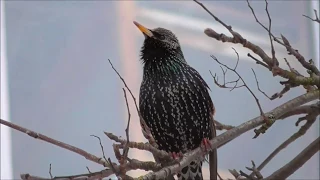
[215,78]
[255,171]
[224,74]
[255,76]
[276,95]
[126,149]
[88,170]
[215,17]
[316,18]
[235,67]
[50,171]
[220,178]
[224,85]
[145,129]
[275,61]
[112,167]
[256,18]
[286,88]
[101,146]
[288,64]
[220,126]
[258,61]
[125,84]
[244,83]
[298,56]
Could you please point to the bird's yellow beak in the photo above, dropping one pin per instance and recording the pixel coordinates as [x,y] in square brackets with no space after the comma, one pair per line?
[143,29]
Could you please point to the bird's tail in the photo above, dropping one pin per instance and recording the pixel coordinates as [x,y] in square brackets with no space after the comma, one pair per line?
[191,172]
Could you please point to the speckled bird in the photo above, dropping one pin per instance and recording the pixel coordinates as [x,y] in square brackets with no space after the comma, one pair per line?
[174,99]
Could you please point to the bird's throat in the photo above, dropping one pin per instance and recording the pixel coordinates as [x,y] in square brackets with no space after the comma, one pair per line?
[159,67]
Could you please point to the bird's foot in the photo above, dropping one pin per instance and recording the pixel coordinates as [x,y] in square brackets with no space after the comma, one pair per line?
[206,144]
[176,156]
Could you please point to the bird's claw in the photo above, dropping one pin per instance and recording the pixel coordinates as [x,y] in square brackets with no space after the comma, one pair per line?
[176,156]
[206,144]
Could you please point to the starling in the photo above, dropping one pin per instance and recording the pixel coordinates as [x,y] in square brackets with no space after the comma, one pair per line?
[174,100]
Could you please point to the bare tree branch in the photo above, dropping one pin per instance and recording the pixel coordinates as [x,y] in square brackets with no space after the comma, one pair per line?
[63,145]
[139,145]
[306,109]
[235,174]
[88,176]
[311,118]
[297,162]
[129,166]
[220,126]
[135,164]
[285,43]
[276,70]
[299,57]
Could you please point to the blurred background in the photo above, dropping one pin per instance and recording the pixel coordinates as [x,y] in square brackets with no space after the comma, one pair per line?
[56,79]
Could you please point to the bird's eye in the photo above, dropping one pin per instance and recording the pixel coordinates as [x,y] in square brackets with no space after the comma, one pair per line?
[161,37]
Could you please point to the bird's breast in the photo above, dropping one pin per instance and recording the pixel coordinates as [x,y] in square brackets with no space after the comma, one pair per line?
[176,110]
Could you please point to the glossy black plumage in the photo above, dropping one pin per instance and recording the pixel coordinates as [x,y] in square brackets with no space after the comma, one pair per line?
[174,99]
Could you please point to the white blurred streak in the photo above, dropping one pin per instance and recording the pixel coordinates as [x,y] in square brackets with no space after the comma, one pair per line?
[316,38]
[6,157]
[316,31]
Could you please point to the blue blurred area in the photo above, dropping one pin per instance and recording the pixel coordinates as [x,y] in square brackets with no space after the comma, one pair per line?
[61,83]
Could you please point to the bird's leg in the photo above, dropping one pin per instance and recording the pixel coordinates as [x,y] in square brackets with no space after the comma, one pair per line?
[176,157]
[206,144]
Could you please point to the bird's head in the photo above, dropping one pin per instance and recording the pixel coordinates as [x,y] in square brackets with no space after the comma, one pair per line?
[159,44]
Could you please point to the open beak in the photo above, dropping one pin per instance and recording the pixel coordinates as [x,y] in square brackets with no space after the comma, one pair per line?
[143,29]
